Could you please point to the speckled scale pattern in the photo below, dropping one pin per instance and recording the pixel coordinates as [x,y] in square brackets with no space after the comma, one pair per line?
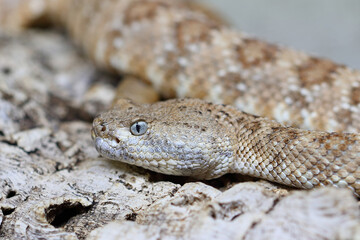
[185,52]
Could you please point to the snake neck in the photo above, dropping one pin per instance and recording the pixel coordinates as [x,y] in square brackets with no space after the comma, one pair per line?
[295,157]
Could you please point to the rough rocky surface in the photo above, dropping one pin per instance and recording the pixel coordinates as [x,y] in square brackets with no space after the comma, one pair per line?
[53,184]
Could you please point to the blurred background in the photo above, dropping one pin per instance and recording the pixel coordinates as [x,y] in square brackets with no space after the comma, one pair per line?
[327,28]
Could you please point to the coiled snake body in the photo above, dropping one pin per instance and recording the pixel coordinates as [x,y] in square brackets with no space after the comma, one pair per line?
[184,51]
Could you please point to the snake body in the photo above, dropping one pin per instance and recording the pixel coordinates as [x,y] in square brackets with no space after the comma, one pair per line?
[191,137]
[186,52]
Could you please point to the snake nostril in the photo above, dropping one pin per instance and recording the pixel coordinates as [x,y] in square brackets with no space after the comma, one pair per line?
[93,134]
[117,140]
[103,129]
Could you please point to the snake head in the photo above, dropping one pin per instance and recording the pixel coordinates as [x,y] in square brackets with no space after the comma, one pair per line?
[175,137]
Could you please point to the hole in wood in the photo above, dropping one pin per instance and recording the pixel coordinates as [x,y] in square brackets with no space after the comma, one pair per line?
[6,70]
[58,215]
[131,216]
[11,194]
[7,211]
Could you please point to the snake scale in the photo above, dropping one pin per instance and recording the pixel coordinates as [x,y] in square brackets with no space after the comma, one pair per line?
[310,107]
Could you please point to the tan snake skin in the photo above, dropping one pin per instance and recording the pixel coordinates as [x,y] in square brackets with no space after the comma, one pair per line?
[184,52]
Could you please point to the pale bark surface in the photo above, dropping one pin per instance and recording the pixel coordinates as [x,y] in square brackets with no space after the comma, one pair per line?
[53,184]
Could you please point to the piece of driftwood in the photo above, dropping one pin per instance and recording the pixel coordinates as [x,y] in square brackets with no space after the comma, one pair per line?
[54,185]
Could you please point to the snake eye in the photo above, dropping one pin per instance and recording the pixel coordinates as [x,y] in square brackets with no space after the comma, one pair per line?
[138,128]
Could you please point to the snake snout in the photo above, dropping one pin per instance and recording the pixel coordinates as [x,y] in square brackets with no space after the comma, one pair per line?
[100,128]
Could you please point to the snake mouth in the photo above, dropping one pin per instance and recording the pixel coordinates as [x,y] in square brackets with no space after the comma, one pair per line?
[106,149]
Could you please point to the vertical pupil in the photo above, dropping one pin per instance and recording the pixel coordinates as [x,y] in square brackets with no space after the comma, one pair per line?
[138,127]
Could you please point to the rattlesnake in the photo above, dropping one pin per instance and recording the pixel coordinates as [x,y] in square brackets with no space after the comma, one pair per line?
[184,51]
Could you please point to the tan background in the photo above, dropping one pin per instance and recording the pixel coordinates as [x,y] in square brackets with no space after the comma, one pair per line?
[329,28]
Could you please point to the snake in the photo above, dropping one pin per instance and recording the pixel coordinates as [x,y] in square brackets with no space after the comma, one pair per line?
[232,103]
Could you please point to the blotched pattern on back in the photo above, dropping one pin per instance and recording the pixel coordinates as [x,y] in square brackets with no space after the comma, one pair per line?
[184,52]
